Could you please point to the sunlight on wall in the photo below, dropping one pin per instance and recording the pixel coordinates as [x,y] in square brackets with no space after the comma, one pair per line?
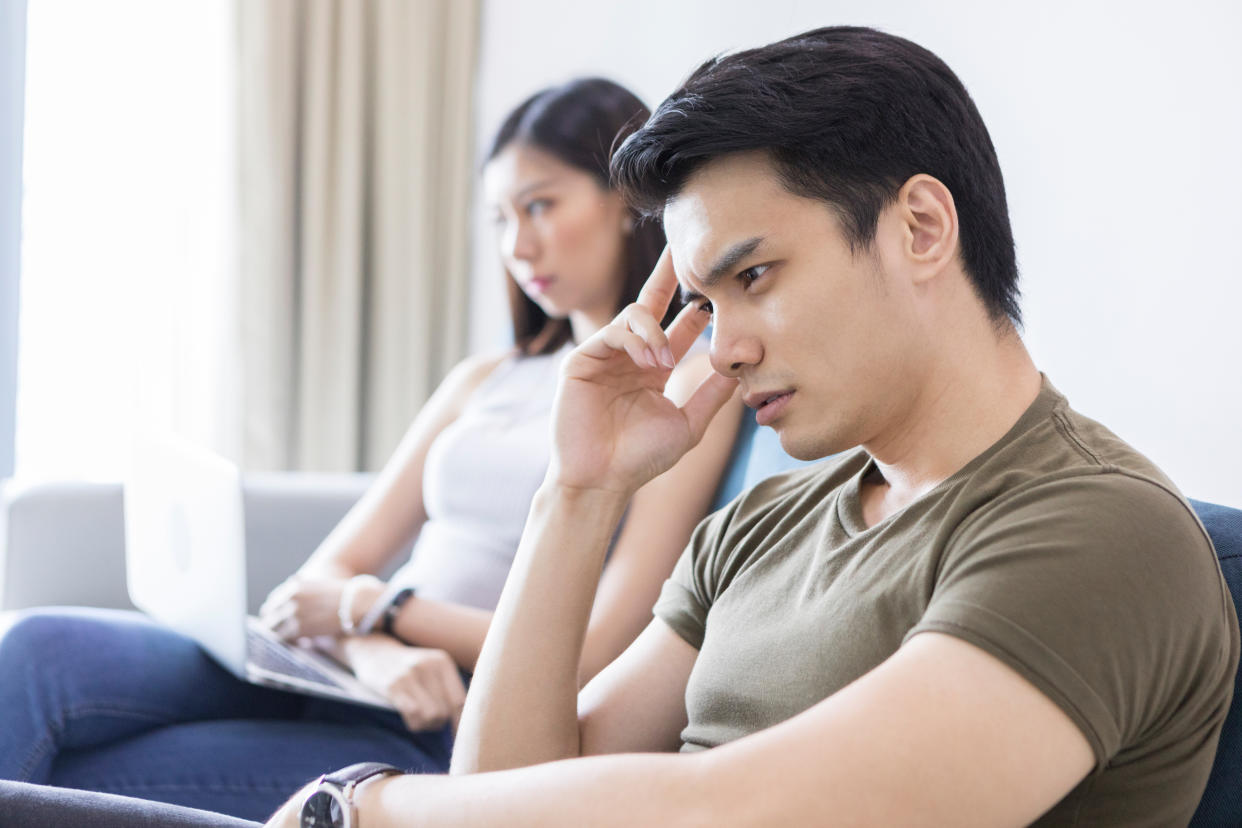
[127,250]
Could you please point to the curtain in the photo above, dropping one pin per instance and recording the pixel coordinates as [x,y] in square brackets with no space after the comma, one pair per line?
[355,163]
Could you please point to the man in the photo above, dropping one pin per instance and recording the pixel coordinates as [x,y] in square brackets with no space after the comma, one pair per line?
[994,612]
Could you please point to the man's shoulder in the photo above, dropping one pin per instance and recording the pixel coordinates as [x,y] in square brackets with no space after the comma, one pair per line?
[1060,449]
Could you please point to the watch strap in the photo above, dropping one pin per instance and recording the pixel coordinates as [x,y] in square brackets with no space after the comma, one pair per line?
[388,618]
[371,618]
[359,773]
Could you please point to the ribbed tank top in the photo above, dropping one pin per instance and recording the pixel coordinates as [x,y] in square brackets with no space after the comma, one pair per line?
[479,478]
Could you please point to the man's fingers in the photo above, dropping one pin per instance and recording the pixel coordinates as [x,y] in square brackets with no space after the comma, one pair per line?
[617,336]
[661,286]
[689,323]
[639,320]
[713,392]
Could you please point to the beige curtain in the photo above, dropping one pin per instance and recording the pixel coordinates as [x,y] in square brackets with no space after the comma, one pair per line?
[355,164]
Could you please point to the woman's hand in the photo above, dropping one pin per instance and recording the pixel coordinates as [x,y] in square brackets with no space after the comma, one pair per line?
[424,685]
[614,428]
[304,605]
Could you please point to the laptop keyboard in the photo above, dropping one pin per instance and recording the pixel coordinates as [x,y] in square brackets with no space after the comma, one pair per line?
[274,657]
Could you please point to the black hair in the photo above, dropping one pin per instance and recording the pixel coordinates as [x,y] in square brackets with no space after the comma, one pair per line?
[579,123]
[846,115]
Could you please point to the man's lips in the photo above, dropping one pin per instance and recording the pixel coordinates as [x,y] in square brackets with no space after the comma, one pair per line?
[758,399]
[768,405]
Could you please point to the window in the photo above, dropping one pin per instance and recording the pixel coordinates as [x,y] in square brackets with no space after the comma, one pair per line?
[127,255]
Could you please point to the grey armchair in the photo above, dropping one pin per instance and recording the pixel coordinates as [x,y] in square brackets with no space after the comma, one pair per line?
[64,543]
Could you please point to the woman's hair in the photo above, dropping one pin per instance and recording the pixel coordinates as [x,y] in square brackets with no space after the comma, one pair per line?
[579,123]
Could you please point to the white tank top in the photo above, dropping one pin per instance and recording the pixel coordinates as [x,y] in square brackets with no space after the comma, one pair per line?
[480,476]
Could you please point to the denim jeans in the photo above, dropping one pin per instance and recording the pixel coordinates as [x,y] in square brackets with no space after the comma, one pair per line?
[109,701]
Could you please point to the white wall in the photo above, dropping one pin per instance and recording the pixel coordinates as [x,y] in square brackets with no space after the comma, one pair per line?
[1119,130]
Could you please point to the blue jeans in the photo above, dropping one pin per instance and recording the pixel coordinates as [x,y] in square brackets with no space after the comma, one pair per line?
[109,701]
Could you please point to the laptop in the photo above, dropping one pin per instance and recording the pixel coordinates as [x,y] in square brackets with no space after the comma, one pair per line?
[185,563]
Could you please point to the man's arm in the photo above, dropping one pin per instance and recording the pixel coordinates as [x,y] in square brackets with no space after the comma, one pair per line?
[941,733]
[613,431]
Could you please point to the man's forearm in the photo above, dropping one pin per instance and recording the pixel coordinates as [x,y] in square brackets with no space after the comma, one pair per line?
[618,790]
[522,705]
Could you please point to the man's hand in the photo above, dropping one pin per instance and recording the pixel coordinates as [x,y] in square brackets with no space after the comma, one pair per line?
[424,685]
[614,428]
[304,606]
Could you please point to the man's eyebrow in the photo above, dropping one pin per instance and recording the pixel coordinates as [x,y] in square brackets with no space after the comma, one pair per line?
[723,266]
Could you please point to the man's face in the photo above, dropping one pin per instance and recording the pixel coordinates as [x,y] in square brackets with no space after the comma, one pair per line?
[823,340]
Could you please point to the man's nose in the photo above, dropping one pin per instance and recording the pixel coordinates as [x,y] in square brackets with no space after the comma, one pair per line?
[733,349]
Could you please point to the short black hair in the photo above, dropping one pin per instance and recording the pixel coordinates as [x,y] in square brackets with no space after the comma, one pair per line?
[846,115]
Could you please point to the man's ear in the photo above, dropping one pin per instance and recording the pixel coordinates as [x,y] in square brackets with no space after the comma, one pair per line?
[928,224]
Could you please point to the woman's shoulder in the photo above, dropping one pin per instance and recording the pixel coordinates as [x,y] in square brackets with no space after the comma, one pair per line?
[467,375]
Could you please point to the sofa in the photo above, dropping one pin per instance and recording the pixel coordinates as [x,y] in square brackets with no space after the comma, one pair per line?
[63,543]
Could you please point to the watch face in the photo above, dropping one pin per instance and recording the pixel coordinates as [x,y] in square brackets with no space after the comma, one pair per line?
[324,809]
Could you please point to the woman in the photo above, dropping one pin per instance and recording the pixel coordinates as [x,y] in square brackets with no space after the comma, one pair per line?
[111,702]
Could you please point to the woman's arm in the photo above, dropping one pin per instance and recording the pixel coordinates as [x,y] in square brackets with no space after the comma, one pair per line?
[380,524]
[657,527]
[390,513]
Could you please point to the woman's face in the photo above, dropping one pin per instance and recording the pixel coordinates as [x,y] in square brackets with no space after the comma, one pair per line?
[561,235]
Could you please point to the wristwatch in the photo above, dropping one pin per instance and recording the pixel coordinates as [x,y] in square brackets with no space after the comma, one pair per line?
[331,804]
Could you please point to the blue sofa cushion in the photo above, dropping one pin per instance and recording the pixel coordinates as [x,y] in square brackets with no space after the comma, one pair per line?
[1222,800]
[757,454]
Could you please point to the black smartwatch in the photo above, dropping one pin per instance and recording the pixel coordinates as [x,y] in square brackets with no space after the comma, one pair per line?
[388,619]
[331,804]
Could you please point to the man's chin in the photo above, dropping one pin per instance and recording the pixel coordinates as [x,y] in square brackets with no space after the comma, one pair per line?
[806,447]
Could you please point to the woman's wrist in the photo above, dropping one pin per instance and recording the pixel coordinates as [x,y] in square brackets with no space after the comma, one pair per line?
[357,596]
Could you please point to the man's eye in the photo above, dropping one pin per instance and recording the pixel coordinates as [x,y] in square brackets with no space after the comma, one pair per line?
[750,274]
[706,306]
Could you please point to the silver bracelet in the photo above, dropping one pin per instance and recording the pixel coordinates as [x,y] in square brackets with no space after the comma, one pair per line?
[366,625]
[345,608]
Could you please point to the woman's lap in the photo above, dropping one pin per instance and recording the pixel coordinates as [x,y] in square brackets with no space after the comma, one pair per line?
[110,701]
[77,678]
[245,768]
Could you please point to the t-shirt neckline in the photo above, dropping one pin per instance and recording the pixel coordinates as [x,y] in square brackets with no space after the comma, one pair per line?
[849,501]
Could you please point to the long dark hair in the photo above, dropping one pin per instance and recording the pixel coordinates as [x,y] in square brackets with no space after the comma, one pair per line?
[579,123]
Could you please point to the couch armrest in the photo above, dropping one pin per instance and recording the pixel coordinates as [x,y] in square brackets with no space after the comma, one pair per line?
[64,543]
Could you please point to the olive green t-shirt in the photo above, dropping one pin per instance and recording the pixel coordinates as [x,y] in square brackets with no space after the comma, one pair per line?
[1060,550]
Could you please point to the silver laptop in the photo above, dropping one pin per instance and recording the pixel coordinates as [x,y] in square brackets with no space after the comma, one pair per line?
[186,567]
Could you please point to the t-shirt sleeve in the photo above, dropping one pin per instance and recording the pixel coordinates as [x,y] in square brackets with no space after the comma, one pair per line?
[1102,591]
[678,606]
[690,590]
